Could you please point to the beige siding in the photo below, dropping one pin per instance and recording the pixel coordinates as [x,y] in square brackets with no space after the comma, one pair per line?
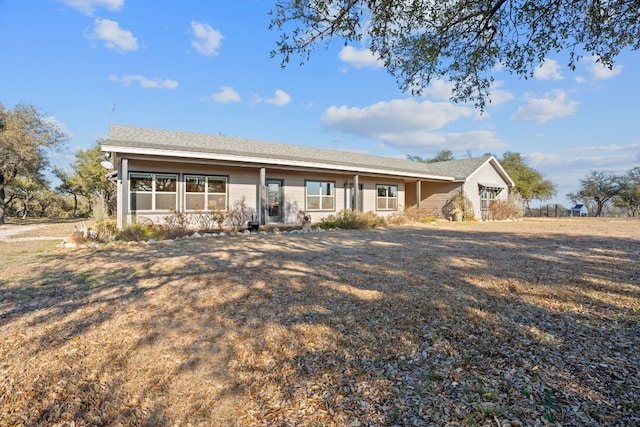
[434,197]
[486,175]
[244,182]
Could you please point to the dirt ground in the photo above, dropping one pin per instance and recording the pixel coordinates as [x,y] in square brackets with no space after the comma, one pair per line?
[526,323]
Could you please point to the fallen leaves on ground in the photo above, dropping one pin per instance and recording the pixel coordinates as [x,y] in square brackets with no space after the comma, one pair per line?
[529,323]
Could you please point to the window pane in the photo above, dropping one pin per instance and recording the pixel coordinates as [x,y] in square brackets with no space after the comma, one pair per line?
[164,202]
[382,191]
[166,183]
[217,185]
[327,188]
[313,202]
[313,188]
[327,202]
[382,203]
[194,202]
[393,191]
[141,182]
[195,184]
[217,202]
[392,204]
[140,201]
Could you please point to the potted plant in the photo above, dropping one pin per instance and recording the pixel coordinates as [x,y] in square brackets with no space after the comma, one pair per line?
[306,220]
[457,214]
[458,206]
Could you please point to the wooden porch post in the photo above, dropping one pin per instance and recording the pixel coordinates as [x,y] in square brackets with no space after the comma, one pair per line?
[418,198]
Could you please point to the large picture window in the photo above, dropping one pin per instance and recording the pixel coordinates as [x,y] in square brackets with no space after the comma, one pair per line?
[321,196]
[387,199]
[205,193]
[153,192]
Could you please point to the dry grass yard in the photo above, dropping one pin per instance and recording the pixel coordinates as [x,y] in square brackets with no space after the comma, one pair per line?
[521,324]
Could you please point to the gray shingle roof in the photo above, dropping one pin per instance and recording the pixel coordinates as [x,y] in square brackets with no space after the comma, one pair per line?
[458,168]
[144,138]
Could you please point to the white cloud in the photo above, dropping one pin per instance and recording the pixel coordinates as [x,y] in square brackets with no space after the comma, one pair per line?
[548,70]
[279,99]
[113,36]
[226,94]
[439,89]
[207,40]
[600,71]
[577,162]
[499,96]
[554,105]
[607,148]
[88,6]
[394,116]
[580,79]
[144,82]
[359,58]
[455,141]
[407,123]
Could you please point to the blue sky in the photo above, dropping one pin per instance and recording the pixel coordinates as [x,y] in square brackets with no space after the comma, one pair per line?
[205,66]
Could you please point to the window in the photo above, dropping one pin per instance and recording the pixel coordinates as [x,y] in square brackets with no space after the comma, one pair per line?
[321,196]
[387,197]
[487,196]
[153,192]
[205,193]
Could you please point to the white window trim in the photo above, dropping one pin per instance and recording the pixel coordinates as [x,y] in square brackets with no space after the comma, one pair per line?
[387,197]
[205,193]
[153,191]
[485,200]
[321,196]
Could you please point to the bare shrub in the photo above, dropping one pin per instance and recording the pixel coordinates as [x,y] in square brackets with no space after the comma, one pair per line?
[397,218]
[105,229]
[209,220]
[238,214]
[501,210]
[175,225]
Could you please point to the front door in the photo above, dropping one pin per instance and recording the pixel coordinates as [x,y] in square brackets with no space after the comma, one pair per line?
[274,200]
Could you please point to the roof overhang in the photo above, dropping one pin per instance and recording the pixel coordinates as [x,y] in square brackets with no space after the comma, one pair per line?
[257,161]
[490,186]
[498,167]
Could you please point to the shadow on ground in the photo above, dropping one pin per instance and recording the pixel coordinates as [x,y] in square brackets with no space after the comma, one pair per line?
[404,326]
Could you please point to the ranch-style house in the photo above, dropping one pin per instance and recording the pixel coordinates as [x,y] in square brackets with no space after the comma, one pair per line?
[160,171]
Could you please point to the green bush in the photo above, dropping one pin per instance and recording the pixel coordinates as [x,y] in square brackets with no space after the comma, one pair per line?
[106,229]
[139,232]
[348,219]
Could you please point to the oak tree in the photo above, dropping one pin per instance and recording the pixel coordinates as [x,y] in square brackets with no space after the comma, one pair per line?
[529,183]
[461,40]
[25,137]
[597,187]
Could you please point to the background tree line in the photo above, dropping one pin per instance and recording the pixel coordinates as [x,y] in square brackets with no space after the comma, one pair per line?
[598,190]
[602,189]
[27,138]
